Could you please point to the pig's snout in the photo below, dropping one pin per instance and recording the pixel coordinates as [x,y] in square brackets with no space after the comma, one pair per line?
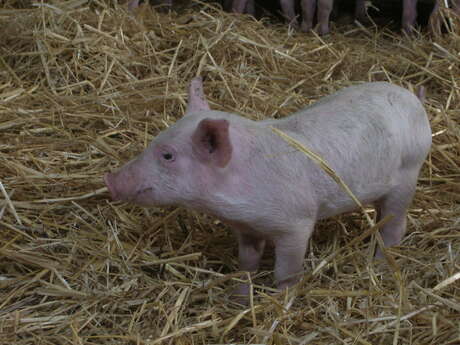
[109,182]
[126,185]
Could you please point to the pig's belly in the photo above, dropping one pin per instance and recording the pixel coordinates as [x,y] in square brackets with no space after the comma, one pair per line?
[341,202]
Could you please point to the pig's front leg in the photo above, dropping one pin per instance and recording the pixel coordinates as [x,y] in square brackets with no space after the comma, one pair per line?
[324,13]
[250,250]
[308,14]
[290,251]
[409,15]
[243,6]
[133,4]
[288,8]
[239,6]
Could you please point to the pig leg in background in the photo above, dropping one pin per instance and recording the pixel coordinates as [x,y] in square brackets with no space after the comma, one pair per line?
[308,14]
[324,12]
[360,11]
[409,15]
[243,6]
[290,249]
[288,7]
[239,6]
[396,204]
[250,251]
[133,4]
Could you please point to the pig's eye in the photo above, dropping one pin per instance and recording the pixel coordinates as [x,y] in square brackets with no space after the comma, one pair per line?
[168,156]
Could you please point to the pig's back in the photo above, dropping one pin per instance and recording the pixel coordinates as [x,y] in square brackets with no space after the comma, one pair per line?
[369,116]
[367,133]
[358,104]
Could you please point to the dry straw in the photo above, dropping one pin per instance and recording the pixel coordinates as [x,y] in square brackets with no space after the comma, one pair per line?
[84,86]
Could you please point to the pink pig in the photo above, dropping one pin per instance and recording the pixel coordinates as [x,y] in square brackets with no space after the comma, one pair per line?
[375,136]
[409,15]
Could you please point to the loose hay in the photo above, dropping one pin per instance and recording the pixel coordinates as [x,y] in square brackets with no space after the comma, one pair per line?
[83,89]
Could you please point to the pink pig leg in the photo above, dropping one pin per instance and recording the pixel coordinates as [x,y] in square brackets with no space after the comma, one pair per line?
[250,251]
[243,6]
[288,7]
[239,6]
[324,12]
[308,13]
[409,15]
[133,4]
[290,251]
[396,204]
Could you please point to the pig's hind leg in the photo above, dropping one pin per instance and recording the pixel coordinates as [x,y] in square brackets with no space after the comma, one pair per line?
[308,14]
[288,10]
[395,203]
[324,12]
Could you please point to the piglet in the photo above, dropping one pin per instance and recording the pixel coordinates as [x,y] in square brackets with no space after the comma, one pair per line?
[375,136]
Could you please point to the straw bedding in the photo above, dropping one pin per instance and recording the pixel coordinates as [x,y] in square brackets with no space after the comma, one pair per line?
[85,86]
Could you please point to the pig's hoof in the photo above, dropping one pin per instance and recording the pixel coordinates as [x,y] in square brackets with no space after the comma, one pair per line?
[409,31]
[305,27]
[323,31]
[294,25]
[379,254]
[289,282]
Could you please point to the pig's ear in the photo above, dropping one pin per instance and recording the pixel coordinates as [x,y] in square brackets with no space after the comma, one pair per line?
[211,142]
[196,99]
